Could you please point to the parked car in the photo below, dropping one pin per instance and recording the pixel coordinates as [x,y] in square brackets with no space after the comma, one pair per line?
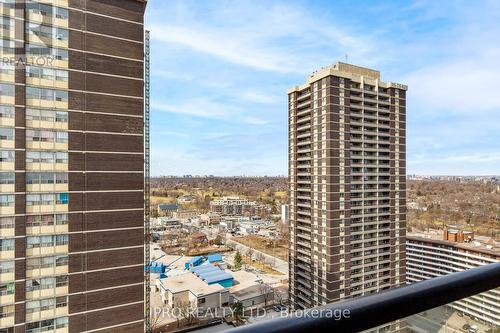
[466,327]
[279,308]
[473,329]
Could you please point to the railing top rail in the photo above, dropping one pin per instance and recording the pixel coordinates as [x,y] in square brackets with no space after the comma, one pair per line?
[374,310]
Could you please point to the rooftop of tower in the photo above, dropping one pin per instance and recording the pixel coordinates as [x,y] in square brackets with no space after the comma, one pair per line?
[349,71]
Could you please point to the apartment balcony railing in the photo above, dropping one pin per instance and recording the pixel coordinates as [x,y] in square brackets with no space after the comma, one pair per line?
[387,307]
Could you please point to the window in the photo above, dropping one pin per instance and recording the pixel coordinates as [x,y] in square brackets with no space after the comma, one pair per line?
[46,10]
[6,267]
[61,157]
[61,178]
[46,304]
[44,51]
[7,178]
[46,157]
[61,117]
[7,111]
[6,311]
[46,73]
[7,289]
[62,281]
[8,3]
[62,198]
[46,241]
[46,115]
[46,178]
[49,32]
[62,261]
[7,68]
[6,244]
[46,283]
[7,200]
[6,89]
[46,94]
[61,240]
[46,262]
[7,222]
[6,23]
[7,156]
[47,199]
[39,220]
[46,136]
[62,137]
[7,46]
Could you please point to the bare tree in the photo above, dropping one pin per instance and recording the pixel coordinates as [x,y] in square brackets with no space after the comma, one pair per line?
[185,310]
[250,253]
[259,257]
[267,292]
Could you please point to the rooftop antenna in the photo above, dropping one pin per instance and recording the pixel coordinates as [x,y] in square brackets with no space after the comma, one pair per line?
[346,57]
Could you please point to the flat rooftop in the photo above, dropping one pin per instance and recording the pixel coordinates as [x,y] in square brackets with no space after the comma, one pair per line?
[348,71]
[189,281]
[480,243]
[249,292]
[243,280]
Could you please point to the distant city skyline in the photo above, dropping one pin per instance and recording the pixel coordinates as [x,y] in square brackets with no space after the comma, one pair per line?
[220,74]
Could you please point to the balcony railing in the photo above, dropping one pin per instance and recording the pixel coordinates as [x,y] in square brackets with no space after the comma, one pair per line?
[385,307]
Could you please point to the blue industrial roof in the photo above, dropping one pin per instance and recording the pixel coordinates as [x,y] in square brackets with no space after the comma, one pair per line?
[168,206]
[215,257]
[218,278]
[195,259]
[203,269]
[211,274]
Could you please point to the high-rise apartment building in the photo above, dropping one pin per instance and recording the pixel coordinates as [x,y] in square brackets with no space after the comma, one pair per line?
[347,185]
[72,166]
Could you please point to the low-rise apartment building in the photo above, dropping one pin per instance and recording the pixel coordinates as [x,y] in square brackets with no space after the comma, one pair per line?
[231,205]
[433,253]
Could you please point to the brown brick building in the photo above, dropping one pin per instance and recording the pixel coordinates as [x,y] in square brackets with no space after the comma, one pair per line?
[72,166]
[347,185]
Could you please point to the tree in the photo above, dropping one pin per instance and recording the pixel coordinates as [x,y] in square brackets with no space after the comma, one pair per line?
[237,260]
[249,253]
[266,292]
[217,240]
[186,310]
[259,257]
[237,312]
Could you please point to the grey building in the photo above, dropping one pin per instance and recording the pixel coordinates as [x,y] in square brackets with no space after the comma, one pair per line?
[347,185]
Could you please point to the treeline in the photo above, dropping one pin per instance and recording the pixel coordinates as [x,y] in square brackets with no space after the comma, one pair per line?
[437,203]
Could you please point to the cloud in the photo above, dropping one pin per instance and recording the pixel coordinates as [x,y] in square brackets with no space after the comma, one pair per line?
[255,121]
[200,107]
[258,97]
[276,36]
[462,86]
[226,66]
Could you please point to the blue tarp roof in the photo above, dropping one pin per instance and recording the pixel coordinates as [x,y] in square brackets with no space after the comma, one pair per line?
[218,277]
[211,274]
[195,259]
[215,257]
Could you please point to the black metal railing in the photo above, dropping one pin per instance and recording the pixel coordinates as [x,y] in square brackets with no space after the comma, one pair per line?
[374,310]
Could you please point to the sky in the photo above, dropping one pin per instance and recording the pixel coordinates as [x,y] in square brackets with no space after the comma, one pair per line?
[221,69]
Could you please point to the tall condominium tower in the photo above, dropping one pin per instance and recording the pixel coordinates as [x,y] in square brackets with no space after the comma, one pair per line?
[347,185]
[72,166]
